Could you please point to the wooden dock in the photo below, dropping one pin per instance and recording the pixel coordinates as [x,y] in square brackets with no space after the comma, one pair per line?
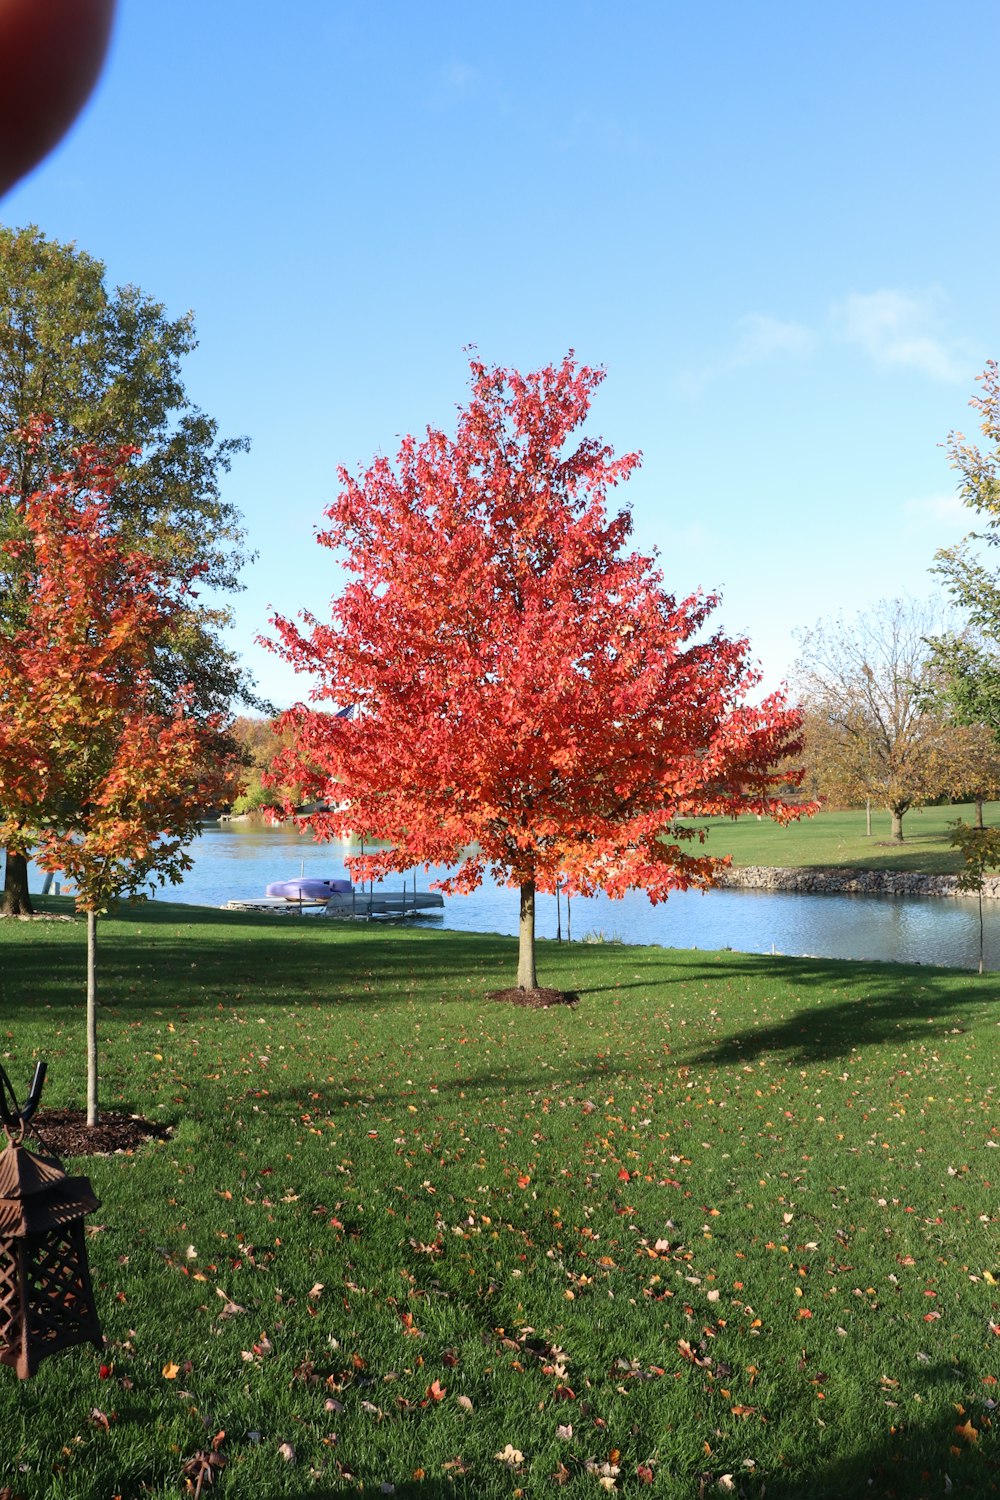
[350,905]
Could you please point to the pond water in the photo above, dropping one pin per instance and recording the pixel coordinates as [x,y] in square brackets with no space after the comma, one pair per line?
[234,860]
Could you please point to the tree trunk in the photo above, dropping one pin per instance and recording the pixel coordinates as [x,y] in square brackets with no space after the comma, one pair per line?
[979,812]
[897,825]
[526,979]
[16,901]
[91,1018]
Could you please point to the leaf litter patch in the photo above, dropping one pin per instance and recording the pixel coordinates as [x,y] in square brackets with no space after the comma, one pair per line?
[540,998]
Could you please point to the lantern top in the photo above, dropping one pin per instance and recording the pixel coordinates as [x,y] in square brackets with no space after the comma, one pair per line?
[23,1172]
[35,1193]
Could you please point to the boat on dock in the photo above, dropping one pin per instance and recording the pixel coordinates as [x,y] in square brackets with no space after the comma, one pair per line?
[338,898]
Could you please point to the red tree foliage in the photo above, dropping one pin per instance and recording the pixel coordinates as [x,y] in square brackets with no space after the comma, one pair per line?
[529,700]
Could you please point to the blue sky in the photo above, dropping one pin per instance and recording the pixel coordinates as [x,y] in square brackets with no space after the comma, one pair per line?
[774,224]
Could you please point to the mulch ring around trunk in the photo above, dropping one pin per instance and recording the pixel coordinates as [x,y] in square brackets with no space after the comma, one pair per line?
[66,1132]
[539,998]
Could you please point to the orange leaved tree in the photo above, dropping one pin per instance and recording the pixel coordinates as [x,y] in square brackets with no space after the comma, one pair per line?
[528,698]
[101,774]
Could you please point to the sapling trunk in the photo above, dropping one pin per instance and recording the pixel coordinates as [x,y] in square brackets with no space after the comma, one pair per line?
[526,979]
[91,1018]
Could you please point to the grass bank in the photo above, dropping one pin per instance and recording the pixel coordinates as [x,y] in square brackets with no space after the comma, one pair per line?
[730,1225]
[839,838]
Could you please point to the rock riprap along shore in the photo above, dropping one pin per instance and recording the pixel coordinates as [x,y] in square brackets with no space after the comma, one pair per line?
[826,879]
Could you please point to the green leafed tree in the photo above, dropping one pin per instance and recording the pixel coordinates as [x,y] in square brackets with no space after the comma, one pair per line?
[967,663]
[258,741]
[980,851]
[965,688]
[104,366]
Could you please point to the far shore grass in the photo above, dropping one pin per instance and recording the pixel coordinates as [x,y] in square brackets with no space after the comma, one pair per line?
[729,1226]
[839,838]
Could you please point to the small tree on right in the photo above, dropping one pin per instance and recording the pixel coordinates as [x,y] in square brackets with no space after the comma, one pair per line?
[980,851]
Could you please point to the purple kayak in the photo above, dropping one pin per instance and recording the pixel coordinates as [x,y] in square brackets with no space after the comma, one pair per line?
[308,890]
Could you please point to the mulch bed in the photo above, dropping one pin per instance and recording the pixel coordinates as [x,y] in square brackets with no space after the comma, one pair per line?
[536,999]
[66,1132]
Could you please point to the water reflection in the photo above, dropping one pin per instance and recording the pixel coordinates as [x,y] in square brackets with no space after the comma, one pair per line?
[237,861]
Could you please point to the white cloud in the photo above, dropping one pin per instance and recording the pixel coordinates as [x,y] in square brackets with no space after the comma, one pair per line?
[899,329]
[935,510]
[453,83]
[757,338]
[762,337]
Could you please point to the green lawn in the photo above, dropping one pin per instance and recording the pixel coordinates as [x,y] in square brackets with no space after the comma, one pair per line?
[839,838]
[731,1216]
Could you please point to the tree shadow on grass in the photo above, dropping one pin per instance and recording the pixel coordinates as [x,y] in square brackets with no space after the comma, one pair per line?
[411,1489]
[884,1004]
[915,1461]
[154,956]
[160,957]
[954,1453]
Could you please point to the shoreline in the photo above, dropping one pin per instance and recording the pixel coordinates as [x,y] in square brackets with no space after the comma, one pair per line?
[844,880]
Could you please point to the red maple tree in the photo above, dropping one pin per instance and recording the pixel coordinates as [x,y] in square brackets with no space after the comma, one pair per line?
[527,698]
[100,776]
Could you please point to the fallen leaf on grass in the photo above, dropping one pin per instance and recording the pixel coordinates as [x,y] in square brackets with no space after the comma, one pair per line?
[464,1403]
[510,1456]
[170,1371]
[703,1361]
[287,1452]
[200,1471]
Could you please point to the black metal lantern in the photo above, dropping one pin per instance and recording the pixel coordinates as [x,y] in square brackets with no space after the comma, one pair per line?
[46,1296]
